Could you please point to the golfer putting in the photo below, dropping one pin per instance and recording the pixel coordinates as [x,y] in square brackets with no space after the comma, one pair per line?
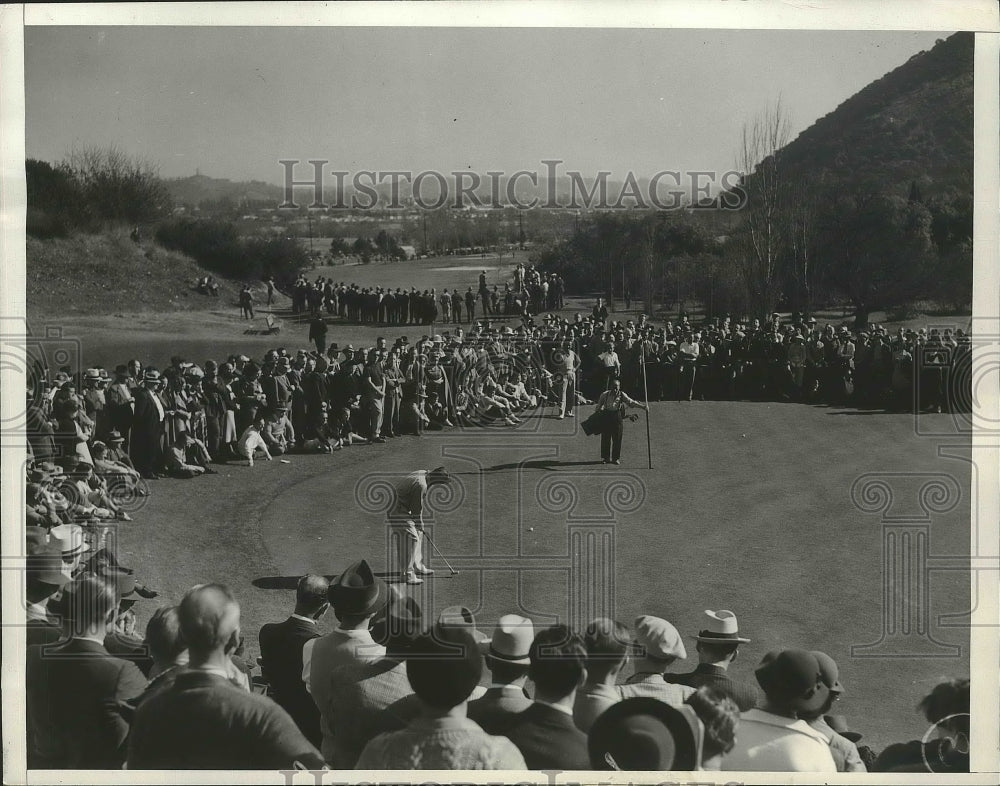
[406,522]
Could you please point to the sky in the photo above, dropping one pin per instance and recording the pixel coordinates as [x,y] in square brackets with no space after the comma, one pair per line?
[232,102]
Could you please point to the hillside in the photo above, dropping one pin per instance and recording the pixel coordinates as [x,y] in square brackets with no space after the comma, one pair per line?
[192,191]
[109,274]
[913,124]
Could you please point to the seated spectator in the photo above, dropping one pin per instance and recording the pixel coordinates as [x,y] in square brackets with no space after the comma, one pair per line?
[771,738]
[175,459]
[658,645]
[281,646]
[545,733]
[508,661]
[73,689]
[442,737]
[119,476]
[947,707]
[643,733]
[196,453]
[202,721]
[718,647]
[412,417]
[251,441]
[278,432]
[719,716]
[437,414]
[607,644]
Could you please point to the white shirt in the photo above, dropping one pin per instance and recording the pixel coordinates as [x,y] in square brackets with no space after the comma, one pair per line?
[773,743]
[250,441]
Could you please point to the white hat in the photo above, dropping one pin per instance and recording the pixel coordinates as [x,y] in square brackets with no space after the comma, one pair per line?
[720,628]
[71,539]
[512,639]
[659,638]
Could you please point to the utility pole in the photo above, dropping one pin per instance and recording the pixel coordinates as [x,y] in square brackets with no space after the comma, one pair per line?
[425,233]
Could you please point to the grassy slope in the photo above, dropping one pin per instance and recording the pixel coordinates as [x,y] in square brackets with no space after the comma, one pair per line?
[109,274]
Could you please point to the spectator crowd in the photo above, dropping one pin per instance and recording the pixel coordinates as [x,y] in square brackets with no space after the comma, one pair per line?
[387,687]
[530,292]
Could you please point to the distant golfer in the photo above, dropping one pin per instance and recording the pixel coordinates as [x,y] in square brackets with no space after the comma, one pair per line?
[406,522]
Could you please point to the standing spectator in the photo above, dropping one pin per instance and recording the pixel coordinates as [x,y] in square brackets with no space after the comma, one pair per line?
[659,645]
[470,305]
[772,738]
[202,721]
[373,388]
[281,645]
[606,641]
[442,738]
[146,441]
[508,660]
[718,647]
[72,691]
[545,733]
[317,332]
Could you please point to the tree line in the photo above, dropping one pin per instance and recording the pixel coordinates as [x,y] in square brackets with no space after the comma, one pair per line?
[799,242]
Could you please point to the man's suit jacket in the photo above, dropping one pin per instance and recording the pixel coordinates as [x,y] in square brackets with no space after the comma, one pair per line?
[496,707]
[548,739]
[744,694]
[281,664]
[203,721]
[73,692]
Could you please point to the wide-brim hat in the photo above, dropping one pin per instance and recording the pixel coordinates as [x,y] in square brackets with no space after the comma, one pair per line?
[115,436]
[70,539]
[44,563]
[462,617]
[721,627]
[793,678]
[152,375]
[358,591]
[93,374]
[828,671]
[643,733]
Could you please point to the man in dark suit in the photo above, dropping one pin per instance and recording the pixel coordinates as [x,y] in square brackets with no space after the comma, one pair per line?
[202,720]
[146,441]
[281,654]
[508,663]
[73,689]
[545,733]
[718,646]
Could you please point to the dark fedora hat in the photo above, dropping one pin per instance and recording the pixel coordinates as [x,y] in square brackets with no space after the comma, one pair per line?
[358,591]
[643,733]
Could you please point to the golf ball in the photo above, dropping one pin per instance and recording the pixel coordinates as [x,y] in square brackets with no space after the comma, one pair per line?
[531,529]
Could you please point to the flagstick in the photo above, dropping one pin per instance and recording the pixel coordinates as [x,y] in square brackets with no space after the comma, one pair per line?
[645,398]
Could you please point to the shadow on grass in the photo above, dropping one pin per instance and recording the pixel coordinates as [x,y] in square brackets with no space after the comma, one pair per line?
[545,464]
[291,582]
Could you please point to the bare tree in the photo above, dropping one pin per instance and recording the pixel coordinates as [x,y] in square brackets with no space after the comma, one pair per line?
[119,187]
[764,233]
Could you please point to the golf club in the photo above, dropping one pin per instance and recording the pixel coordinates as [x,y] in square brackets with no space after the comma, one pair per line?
[442,556]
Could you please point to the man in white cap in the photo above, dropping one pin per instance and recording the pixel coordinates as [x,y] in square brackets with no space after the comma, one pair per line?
[406,522]
[659,645]
[718,646]
[508,661]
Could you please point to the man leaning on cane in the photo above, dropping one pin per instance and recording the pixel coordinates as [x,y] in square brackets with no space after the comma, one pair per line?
[406,522]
